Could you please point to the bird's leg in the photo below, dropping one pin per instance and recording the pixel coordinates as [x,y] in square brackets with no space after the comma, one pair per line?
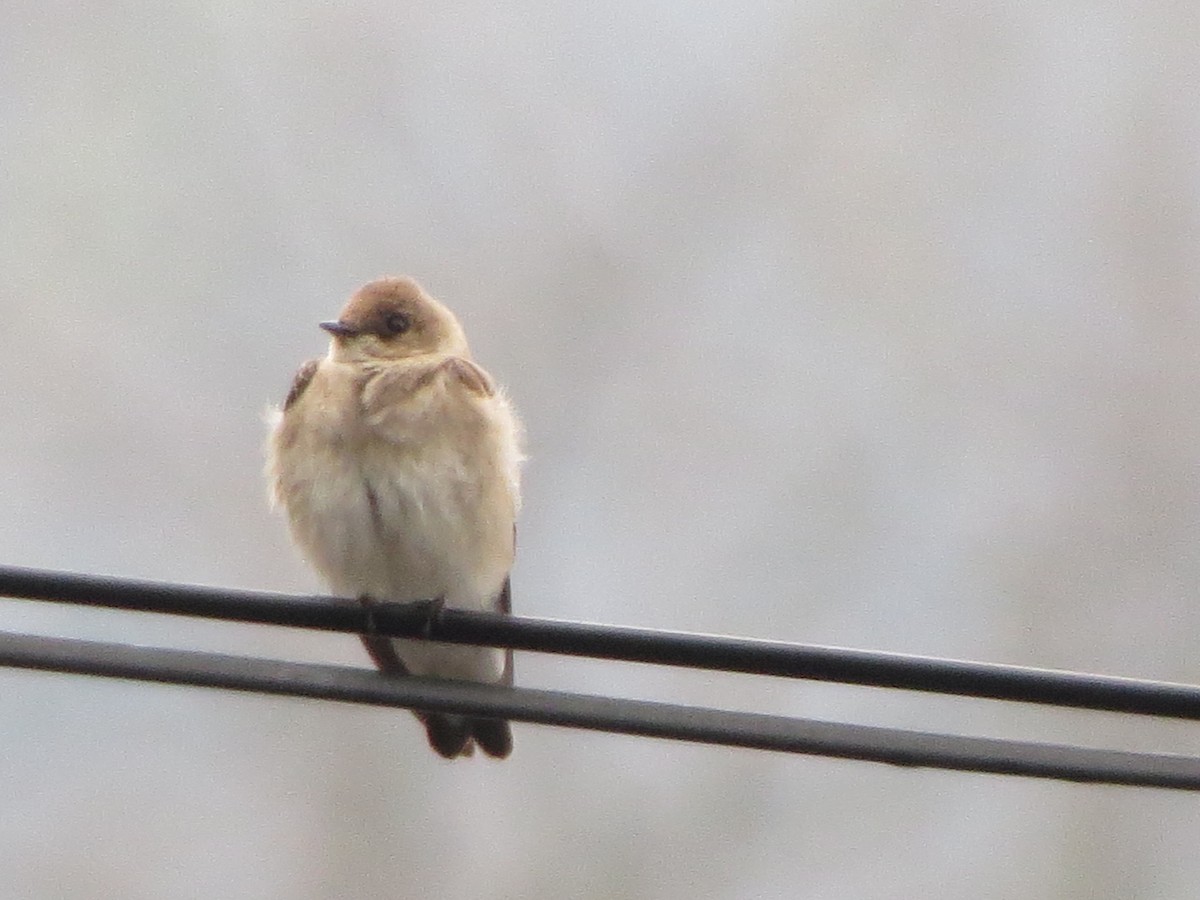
[432,610]
[368,605]
[381,649]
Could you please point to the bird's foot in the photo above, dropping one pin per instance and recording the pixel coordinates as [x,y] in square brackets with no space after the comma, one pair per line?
[432,611]
[368,605]
[414,617]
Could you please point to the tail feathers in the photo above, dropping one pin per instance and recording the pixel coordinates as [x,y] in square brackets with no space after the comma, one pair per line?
[494,737]
[454,736]
[451,736]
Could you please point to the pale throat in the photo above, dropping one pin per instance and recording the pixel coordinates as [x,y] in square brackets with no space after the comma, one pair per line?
[352,352]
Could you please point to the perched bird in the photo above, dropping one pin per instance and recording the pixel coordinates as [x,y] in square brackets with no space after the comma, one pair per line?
[395,458]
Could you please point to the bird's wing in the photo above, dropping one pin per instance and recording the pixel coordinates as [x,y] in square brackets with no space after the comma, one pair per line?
[468,375]
[504,605]
[303,376]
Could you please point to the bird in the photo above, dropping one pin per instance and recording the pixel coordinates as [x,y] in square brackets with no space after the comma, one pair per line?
[396,461]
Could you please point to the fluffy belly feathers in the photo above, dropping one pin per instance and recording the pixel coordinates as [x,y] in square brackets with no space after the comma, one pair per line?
[404,524]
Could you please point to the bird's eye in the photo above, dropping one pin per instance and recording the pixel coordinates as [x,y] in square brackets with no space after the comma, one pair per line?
[397,323]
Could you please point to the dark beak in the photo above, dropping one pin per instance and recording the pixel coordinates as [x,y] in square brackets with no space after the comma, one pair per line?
[341,329]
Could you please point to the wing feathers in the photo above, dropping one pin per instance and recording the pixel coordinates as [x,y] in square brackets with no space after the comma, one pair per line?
[303,376]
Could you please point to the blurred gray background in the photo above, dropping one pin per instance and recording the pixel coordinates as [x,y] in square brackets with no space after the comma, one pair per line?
[865,324]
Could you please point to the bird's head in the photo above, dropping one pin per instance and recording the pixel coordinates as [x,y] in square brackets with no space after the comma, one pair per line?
[393,318]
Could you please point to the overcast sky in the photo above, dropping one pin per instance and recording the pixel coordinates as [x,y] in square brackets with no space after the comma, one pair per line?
[870,325]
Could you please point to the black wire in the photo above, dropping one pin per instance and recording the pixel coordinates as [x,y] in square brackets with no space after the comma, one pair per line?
[638,717]
[861,667]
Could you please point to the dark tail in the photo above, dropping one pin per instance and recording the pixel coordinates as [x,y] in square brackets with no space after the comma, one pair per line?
[454,736]
[450,735]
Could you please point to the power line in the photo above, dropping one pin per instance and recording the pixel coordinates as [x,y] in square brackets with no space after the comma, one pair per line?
[742,729]
[637,717]
[848,666]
